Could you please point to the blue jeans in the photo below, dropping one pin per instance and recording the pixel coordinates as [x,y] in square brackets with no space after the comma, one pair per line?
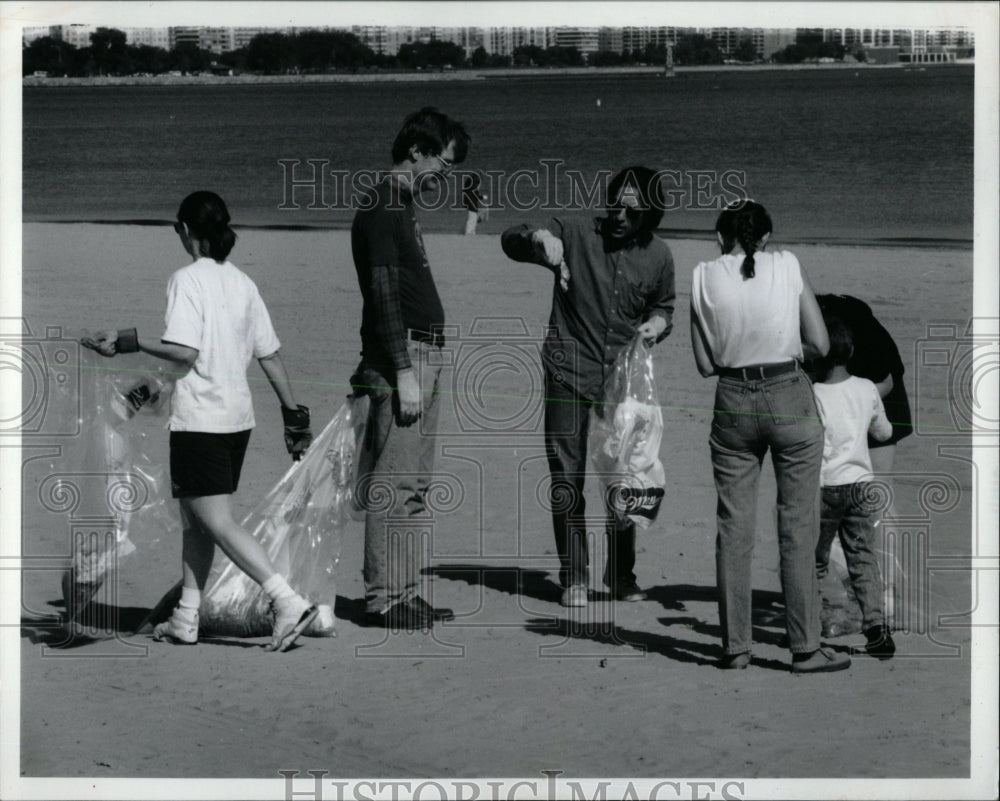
[395,467]
[567,428]
[844,512]
[752,416]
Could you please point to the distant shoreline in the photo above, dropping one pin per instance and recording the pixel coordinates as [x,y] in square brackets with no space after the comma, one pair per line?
[449,75]
[923,243]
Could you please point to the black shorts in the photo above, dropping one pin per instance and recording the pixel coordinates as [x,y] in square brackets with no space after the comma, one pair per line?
[206,464]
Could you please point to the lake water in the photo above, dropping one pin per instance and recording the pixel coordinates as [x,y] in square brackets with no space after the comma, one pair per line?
[836,155]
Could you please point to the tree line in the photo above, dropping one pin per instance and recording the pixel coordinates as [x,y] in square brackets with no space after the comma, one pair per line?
[272,53]
[330,51]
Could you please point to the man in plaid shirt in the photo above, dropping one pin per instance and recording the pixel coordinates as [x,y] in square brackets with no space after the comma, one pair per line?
[401,326]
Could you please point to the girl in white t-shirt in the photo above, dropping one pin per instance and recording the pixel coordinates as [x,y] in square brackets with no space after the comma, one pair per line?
[752,315]
[216,323]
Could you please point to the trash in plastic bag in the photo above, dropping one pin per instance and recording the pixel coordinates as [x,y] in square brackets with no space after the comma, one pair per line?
[300,524]
[110,463]
[625,436]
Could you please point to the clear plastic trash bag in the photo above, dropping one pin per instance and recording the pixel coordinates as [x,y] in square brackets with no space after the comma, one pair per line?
[300,524]
[113,469]
[625,438]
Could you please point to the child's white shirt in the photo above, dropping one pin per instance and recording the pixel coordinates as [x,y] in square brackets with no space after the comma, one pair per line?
[216,309]
[850,410]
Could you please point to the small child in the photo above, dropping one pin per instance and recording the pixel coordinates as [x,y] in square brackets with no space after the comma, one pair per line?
[851,409]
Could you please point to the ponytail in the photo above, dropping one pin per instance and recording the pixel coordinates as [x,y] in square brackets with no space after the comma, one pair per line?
[221,242]
[207,218]
[747,224]
[744,235]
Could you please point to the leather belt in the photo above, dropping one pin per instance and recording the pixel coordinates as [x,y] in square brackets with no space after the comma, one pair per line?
[757,372]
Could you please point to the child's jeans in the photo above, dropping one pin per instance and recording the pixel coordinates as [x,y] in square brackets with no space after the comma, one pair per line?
[844,511]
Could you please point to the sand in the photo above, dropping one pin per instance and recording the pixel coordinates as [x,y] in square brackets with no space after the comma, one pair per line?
[507,689]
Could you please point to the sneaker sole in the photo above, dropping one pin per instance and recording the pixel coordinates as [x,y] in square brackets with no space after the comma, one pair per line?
[170,638]
[574,604]
[289,639]
[829,667]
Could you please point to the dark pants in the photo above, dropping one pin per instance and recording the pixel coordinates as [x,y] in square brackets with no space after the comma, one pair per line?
[845,513]
[567,424]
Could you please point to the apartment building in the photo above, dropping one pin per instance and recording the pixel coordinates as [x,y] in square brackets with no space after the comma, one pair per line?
[586,40]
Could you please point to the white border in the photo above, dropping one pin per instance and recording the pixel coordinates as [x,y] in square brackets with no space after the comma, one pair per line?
[980,17]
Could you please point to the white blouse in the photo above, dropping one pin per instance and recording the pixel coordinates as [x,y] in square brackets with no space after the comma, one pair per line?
[749,321]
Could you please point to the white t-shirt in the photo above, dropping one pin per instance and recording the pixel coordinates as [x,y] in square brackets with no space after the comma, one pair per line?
[849,410]
[217,309]
[749,321]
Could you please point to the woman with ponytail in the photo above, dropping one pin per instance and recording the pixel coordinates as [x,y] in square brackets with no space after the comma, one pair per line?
[753,320]
[216,323]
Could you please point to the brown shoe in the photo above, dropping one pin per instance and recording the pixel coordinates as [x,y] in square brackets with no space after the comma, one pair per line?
[822,660]
[735,661]
[627,590]
[403,616]
[439,613]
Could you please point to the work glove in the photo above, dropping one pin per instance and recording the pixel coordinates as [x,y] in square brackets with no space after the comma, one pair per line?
[109,343]
[298,435]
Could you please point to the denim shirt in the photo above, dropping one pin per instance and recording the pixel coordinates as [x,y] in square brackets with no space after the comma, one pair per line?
[611,293]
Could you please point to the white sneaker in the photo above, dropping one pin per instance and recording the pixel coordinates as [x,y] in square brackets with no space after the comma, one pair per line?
[177,631]
[574,595]
[291,617]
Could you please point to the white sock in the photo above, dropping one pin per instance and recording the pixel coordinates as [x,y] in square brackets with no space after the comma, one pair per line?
[190,598]
[277,589]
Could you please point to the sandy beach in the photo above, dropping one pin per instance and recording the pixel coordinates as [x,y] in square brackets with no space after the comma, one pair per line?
[508,689]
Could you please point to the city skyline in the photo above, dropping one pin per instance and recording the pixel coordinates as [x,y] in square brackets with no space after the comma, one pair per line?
[503,40]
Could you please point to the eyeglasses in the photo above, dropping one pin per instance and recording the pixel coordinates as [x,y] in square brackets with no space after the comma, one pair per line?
[447,165]
[179,227]
[633,213]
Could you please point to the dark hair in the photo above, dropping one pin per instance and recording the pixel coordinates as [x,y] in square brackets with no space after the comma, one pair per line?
[746,222]
[725,227]
[841,340]
[647,184]
[430,131]
[207,219]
